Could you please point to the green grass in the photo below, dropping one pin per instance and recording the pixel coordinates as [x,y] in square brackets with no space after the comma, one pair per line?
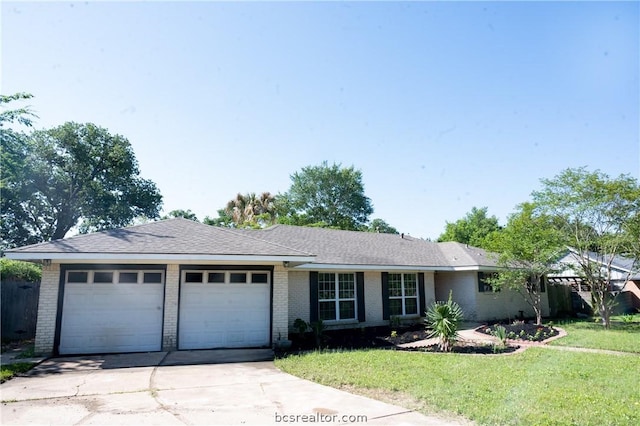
[10,370]
[536,387]
[623,336]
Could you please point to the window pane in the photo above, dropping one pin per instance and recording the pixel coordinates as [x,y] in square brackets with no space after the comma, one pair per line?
[128,278]
[327,311]
[193,277]
[411,305]
[102,277]
[347,286]
[236,277]
[77,277]
[259,278]
[347,310]
[326,286]
[152,278]
[410,285]
[395,288]
[326,291]
[395,306]
[216,277]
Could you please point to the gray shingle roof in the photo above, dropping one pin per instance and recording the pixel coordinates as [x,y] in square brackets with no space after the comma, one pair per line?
[366,248]
[173,236]
[319,245]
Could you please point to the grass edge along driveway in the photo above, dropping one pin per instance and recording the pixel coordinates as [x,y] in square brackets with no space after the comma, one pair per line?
[537,386]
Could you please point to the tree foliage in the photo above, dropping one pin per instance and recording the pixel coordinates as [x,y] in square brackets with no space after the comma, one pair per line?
[13,172]
[475,229]
[530,246]
[186,214]
[17,270]
[246,211]
[73,175]
[324,195]
[596,214]
[380,226]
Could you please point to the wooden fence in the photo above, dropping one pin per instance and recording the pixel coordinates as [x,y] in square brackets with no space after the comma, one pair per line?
[19,309]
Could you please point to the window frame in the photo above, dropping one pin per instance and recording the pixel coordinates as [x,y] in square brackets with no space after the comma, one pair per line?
[403,296]
[486,288]
[115,276]
[336,296]
[227,274]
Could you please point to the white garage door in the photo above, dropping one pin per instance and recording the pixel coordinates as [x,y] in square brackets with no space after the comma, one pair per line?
[112,311]
[224,309]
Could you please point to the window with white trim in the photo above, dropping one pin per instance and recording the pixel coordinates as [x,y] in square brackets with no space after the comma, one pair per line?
[336,296]
[102,276]
[403,294]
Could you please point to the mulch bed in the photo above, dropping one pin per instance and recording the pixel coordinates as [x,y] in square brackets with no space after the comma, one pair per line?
[388,338]
[524,331]
[466,348]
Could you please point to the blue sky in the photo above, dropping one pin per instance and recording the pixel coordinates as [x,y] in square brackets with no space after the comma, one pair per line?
[443,106]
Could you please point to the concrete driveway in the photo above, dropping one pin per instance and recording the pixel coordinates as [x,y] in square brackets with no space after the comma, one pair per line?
[141,389]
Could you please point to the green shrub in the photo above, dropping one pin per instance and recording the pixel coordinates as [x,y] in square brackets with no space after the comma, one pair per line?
[19,271]
[443,318]
[500,333]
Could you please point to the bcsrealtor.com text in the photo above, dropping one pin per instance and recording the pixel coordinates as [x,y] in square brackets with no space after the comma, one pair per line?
[320,418]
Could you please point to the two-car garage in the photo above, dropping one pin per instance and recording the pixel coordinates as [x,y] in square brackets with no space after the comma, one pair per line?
[109,310]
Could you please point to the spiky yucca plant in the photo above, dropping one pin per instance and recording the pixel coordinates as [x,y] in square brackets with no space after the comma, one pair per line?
[443,318]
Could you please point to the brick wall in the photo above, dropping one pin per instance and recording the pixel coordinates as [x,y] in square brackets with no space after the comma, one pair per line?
[280,324]
[47,309]
[171,293]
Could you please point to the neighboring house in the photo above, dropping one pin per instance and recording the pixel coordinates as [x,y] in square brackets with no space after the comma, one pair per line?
[625,278]
[179,284]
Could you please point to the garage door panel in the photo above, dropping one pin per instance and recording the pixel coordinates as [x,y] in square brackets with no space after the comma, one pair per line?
[109,318]
[224,316]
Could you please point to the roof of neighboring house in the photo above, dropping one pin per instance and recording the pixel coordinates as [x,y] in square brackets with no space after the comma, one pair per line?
[304,245]
[166,237]
[621,263]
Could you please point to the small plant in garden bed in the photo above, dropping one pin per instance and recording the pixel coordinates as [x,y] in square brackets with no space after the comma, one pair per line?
[520,330]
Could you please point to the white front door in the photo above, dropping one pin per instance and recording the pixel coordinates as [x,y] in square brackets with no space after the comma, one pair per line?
[224,309]
[112,311]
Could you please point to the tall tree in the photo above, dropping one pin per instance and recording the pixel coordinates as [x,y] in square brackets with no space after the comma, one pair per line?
[187,214]
[79,175]
[380,226]
[600,218]
[473,229]
[331,196]
[14,172]
[530,246]
[246,211]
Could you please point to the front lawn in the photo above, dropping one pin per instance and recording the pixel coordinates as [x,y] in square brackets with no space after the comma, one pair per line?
[538,386]
[623,336]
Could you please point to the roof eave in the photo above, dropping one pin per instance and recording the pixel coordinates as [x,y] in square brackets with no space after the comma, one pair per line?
[153,257]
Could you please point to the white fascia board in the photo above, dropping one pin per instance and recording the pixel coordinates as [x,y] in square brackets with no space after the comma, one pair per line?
[337,266]
[327,266]
[152,257]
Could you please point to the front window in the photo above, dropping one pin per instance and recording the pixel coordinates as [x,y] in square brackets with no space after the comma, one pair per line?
[403,294]
[336,296]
